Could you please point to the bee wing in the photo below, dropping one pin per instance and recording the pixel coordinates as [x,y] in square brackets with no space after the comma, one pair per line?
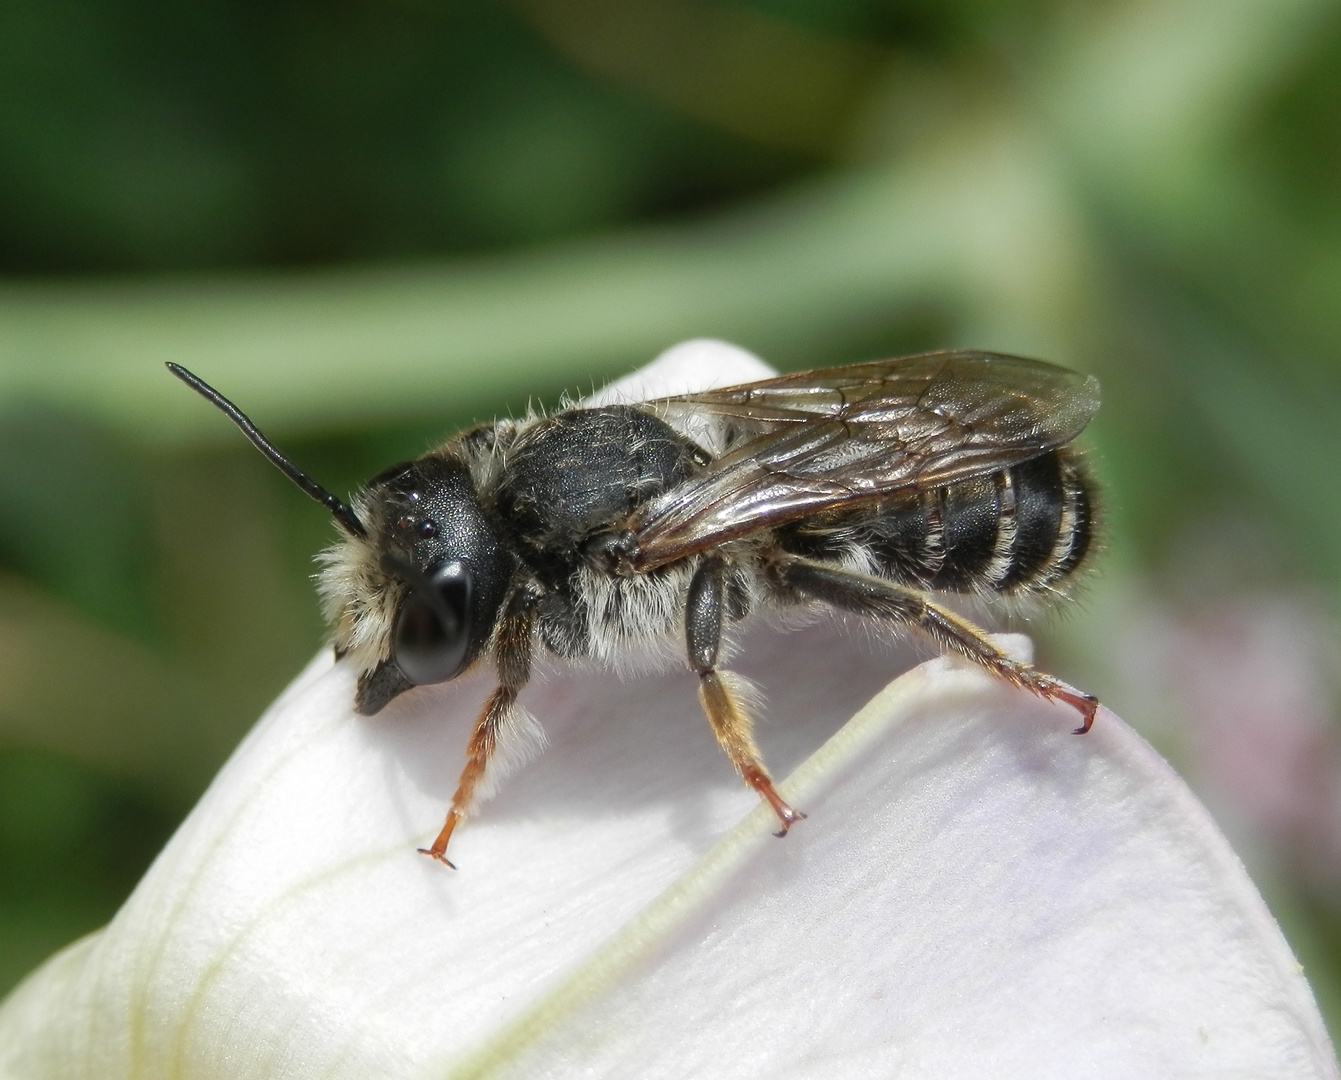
[802,444]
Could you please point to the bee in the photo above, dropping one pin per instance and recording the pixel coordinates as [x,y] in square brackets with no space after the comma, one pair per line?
[596,532]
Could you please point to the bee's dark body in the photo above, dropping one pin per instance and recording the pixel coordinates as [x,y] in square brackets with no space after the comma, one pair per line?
[1021,530]
[577,476]
[595,533]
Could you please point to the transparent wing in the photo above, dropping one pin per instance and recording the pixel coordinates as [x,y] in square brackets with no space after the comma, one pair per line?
[802,444]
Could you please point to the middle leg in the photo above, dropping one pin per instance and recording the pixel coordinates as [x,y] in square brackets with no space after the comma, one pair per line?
[726,712]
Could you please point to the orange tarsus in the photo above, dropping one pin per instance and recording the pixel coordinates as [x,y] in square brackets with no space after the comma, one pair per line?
[439,849]
[759,780]
[1086,704]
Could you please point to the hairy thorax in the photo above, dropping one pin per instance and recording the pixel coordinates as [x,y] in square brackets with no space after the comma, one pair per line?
[570,483]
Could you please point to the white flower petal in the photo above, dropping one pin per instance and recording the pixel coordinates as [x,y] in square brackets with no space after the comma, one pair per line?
[691,366]
[976,892]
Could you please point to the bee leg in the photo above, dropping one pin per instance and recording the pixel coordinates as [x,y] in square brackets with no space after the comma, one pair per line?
[886,601]
[721,691]
[513,655]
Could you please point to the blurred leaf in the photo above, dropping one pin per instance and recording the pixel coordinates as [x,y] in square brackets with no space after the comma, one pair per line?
[1297,134]
[1149,93]
[150,135]
[739,70]
[72,844]
[1279,433]
[67,686]
[75,515]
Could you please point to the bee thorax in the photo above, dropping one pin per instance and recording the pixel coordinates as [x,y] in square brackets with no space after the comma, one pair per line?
[612,553]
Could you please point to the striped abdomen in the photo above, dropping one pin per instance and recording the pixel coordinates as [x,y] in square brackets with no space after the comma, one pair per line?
[1022,529]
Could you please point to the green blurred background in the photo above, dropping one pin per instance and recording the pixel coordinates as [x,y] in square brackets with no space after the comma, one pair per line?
[371,221]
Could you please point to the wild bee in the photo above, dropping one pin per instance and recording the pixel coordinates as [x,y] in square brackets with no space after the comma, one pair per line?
[598,531]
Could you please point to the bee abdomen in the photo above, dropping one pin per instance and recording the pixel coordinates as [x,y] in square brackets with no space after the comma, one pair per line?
[1076,531]
[1023,529]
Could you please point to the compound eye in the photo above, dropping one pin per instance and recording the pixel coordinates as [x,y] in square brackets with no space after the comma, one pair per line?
[432,634]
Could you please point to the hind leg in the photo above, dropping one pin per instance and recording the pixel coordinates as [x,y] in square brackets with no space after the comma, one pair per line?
[887,602]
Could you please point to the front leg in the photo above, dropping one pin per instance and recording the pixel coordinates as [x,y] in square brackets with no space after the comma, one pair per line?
[720,691]
[500,719]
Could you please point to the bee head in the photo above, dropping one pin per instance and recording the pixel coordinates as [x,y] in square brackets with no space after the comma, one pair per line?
[414,588]
[416,599]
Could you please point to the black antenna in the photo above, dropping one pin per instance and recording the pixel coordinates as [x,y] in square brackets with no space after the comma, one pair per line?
[342,511]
